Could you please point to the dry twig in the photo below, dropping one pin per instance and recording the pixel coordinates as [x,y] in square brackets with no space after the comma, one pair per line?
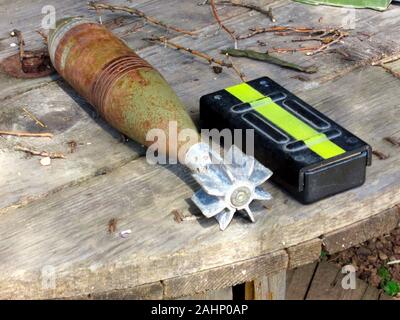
[112,225]
[72,146]
[178,215]
[37,121]
[340,36]
[380,155]
[237,70]
[26,134]
[200,55]
[43,35]
[386,60]
[104,6]
[390,70]
[51,155]
[393,141]
[284,30]
[21,43]
[301,78]
[216,16]
[267,12]
[191,51]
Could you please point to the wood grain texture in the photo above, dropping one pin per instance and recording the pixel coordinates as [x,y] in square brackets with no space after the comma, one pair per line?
[99,148]
[322,281]
[271,287]
[381,38]
[299,280]
[371,293]
[224,276]
[327,285]
[27,18]
[188,84]
[62,231]
[304,253]
[151,291]
[66,232]
[354,234]
[41,96]
[219,294]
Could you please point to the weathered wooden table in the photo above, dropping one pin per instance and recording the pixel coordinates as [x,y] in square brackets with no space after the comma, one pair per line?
[54,241]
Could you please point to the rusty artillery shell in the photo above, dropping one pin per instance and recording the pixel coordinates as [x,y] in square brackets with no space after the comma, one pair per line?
[125,89]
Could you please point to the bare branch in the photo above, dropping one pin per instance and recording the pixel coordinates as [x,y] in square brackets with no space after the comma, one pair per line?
[26,134]
[216,16]
[51,155]
[192,51]
[98,6]
[267,12]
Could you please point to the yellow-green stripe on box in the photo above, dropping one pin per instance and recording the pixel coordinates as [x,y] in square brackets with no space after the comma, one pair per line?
[286,121]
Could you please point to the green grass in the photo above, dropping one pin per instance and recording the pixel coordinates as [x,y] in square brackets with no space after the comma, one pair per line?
[390,286]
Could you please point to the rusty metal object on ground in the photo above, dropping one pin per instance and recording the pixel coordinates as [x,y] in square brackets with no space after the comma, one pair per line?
[134,98]
[125,89]
[34,64]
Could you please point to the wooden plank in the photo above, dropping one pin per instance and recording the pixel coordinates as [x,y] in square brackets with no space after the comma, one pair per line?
[187,84]
[88,160]
[132,29]
[224,276]
[249,290]
[62,231]
[371,293]
[271,287]
[383,28]
[299,281]
[384,296]
[331,66]
[220,294]
[326,285]
[27,17]
[151,291]
[304,253]
[69,118]
[354,234]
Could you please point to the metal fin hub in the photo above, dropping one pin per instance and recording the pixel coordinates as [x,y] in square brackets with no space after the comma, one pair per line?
[229,184]
[240,196]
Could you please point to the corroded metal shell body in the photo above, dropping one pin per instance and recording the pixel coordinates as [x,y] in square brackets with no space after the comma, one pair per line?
[125,89]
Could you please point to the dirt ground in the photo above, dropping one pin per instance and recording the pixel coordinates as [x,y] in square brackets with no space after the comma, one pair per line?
[377,261]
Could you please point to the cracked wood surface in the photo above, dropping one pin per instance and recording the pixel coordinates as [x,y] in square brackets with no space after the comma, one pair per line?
[64,209]
[189,85]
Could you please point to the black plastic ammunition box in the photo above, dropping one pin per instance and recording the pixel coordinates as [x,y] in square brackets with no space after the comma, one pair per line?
[311,156]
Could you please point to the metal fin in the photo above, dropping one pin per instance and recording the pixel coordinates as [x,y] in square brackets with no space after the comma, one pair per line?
[260,174]
[208,204]
[250,214]
[224,218]
[228,186]
[261,194]
[239,163]
[212,186]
